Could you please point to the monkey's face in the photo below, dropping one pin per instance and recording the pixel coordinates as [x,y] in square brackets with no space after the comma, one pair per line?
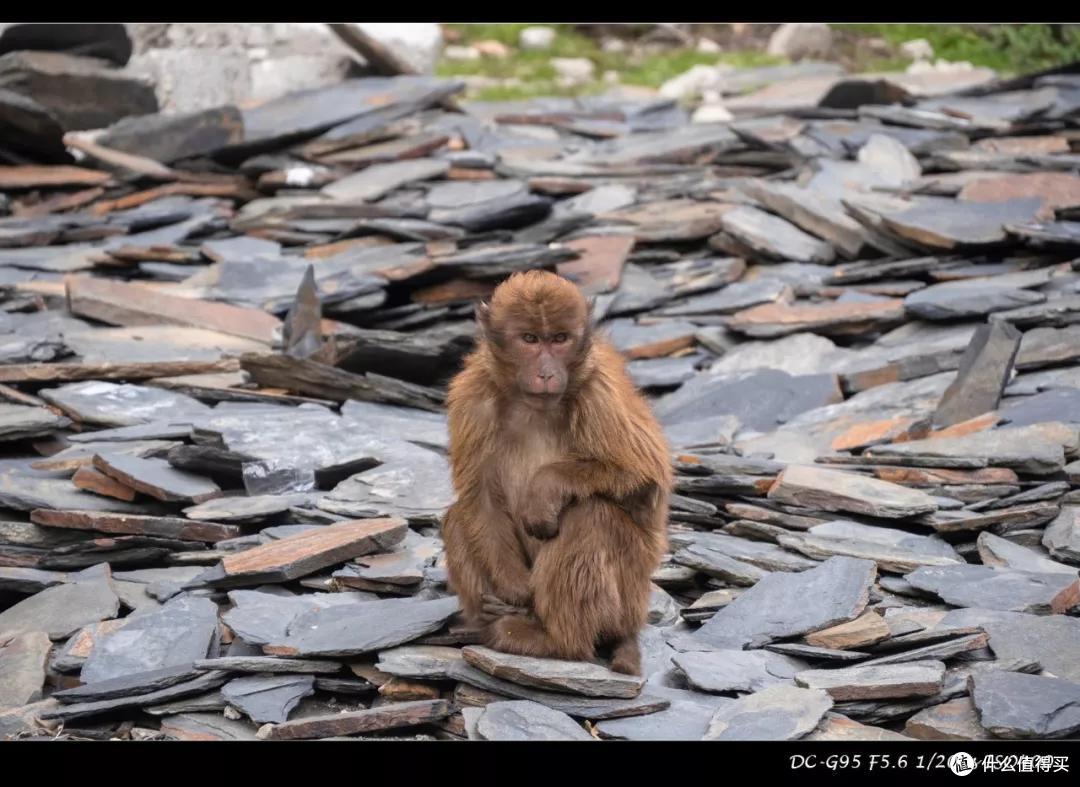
[542,357]
[537,328]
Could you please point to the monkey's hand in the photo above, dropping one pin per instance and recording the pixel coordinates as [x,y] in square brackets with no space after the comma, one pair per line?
[494,608]
[543,503]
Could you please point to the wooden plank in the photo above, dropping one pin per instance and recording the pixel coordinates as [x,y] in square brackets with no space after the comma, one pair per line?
[120,303]
[134,524]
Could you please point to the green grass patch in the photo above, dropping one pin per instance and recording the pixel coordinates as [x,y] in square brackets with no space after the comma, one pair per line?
[538,77]
[1010,49]
[654,70]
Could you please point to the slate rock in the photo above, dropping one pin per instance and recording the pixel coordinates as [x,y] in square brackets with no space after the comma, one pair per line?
[776,713]
[1031,449]
[73,654]
[1017,706]
[590,680]
[767,557]
[774,238]
[62,610]
[812,653]
[833,490]
[812,211]
[736,670]
[947,224]
[178,633]
[80,92]
[266,664]
[1048,347]
[1062,536]
[256,508]
[23,661]
[593,708]
[837,727]
[1002,553]
[206,702]
[260,618]
[984,371]
[157,478]
[383,717]
[729,570]
[15,722]
[955,720]
[352,630]
[918,679]
[431,662]
[206,727]
[785,605]
[732,298]
[893,550]
[1003,521]
[867,629]
[108,41]
[18,422]
[168,137]
[29,580]
[524,720]
[485,205]
[837,318]
[1061,405]
[662,372]
[684,720]
[130,685]
[112,404]
[199,685]
[268,699]
[991,588]
[955,300]
[1048,640]
[377,180]
[761,399]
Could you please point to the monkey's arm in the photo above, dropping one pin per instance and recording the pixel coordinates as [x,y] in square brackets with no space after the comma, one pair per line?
[619,453]
[556,485]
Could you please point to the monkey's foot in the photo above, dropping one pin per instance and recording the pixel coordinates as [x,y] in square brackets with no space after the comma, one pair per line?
[626,657]
[524,636]
[492,608]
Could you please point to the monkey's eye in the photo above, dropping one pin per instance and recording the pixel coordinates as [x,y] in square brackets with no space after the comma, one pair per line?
[530,338]
[560,338]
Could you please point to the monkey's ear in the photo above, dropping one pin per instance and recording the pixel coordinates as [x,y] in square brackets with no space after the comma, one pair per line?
[483,317]
[590,314]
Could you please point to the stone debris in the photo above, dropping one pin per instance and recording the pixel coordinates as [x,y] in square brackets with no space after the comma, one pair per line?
[229,312]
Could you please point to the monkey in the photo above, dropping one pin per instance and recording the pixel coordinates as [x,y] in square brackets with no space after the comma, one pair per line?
[561,476]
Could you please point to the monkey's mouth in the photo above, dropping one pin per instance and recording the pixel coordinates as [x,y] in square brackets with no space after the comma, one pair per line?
[541,387]
[543,399]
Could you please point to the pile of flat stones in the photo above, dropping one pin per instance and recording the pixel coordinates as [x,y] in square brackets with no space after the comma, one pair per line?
[225,339]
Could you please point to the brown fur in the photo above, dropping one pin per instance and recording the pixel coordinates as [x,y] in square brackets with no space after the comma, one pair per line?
[561,510]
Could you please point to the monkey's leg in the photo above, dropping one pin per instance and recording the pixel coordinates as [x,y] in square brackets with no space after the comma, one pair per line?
[589,583]
[626,656]
[484,558]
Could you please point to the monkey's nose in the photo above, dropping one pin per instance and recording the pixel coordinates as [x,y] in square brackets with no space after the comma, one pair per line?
[545,376]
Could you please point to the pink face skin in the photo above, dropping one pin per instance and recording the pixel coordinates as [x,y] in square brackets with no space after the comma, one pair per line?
[542,361]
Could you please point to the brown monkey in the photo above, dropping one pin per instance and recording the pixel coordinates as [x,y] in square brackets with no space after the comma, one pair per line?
[562,477]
